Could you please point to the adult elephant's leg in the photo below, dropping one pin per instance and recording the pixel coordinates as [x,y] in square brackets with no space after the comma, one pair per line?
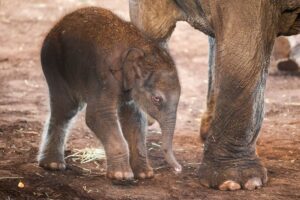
[208,115]
[230,160]
[157,19]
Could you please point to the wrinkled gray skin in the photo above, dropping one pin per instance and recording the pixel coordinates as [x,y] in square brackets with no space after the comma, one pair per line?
[242,35]
[93,57]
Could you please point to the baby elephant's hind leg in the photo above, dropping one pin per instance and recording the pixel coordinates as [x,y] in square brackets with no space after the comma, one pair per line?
[51,153]
[134,127]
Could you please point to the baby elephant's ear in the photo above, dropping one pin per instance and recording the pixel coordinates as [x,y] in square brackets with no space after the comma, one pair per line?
[131,61]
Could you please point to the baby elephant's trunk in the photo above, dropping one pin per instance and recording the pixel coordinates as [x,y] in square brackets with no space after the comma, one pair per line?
[168,128]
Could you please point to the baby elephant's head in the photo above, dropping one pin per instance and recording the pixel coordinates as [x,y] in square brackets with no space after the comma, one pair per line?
[153,80]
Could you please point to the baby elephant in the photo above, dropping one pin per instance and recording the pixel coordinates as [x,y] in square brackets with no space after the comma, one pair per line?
[93,57]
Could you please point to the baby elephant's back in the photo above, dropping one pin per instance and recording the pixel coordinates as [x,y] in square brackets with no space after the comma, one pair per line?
[96,25]
[80,41]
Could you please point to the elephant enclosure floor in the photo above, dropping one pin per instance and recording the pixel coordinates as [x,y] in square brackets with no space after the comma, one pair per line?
[24,108]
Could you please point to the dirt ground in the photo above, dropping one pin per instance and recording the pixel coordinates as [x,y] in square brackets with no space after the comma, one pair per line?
[24,108]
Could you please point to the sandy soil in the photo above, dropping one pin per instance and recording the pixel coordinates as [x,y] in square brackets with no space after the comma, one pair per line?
[24,108]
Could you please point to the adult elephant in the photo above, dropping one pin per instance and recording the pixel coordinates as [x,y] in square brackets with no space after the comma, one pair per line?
[241,36]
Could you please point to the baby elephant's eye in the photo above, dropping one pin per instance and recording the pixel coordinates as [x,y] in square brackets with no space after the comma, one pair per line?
[157,100]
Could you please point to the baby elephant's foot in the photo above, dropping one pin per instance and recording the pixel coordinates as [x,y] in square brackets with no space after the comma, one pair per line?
[143,172]
[233,175]
[141,167]
[119,170]
[52,164]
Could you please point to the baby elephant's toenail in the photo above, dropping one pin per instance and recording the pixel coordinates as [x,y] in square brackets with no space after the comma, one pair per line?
[118,175]
[53,165]
[142,175]
[150,174]
[128,175]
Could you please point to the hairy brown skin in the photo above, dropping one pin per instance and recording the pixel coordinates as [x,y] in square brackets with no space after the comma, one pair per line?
[242,34]
[93,57]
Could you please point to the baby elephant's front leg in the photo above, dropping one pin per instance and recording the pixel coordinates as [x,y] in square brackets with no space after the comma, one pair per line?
[102,119]
[134,127]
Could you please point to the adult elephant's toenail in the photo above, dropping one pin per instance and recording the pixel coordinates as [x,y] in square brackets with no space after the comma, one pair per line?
[253,183]
[204,183]
[229,185]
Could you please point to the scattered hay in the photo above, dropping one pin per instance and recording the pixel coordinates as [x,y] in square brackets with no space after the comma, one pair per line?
[87,155]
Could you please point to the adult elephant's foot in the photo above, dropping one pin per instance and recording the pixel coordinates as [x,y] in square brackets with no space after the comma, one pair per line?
[233,174]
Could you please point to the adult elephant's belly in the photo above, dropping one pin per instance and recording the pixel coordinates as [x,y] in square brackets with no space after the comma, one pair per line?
[242,34]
